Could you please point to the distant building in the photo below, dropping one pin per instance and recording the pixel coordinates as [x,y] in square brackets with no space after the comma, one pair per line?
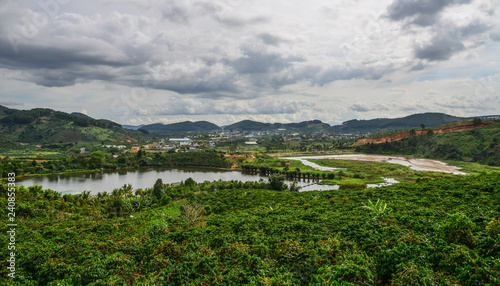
[180,141]
[251,142]
[115,146]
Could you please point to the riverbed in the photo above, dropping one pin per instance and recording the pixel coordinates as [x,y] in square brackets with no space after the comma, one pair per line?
[412,163]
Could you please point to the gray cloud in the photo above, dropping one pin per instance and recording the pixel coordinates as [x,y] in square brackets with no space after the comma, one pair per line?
[448,35]
[420,12]
[181,106]
[271,39]
[10,103]
[364,107]
[359,107]
[440,48]
[176,13]
[495,35]
[448,41]
[229,57]
[418,67]
[235,22]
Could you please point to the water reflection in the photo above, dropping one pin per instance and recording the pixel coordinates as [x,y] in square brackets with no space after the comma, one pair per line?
[145,178]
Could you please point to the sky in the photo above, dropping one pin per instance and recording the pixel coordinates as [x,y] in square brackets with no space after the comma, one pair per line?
[141,62]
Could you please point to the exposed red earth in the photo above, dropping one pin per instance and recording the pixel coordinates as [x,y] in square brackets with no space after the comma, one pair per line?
[403,135]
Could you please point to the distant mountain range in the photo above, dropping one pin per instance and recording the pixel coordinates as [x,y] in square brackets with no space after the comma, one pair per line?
[389,124]
[186,126]
[363,126]
[42,125]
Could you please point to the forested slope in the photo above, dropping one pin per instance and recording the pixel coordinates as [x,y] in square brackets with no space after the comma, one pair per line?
[46,126]
[477,145]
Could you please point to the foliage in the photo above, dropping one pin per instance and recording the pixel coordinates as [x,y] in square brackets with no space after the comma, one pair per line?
[277,182]
[99,160]
[379,208]
[457,228]
[234,233]
[46,126]
[493,228]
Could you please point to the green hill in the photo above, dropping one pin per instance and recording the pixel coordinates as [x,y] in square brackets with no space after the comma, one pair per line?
[45,126]
[388,124]
[185,126]
[249,125]
[476,145]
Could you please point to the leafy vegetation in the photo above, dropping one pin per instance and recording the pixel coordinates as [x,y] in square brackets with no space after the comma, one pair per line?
[440,232]
[101,160]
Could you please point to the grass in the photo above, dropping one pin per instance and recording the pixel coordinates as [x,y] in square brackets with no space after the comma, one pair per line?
[32,154]
[473,168]
[372,172]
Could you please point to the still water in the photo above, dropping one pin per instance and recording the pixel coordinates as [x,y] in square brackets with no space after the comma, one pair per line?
[106,181]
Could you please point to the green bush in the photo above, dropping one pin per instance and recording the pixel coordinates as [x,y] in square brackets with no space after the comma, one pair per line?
[347,186]
[165,200]
[493,227]
[457,229]
[412,274]
[156,227]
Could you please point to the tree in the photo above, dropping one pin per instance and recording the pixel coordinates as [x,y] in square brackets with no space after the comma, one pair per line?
[158,189]
[413,132]
[277,182]
[423,126]
[476,122]
[190,182]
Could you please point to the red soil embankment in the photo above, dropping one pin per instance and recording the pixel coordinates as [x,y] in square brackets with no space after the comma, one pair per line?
[403,135]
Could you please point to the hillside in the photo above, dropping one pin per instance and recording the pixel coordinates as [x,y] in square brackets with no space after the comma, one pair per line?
[460,126]
[388,124]
[359,126]
[465,142]
[186,126]
[45,126]
[249,125]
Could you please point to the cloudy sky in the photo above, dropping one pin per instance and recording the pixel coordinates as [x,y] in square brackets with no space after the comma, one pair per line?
[138,62]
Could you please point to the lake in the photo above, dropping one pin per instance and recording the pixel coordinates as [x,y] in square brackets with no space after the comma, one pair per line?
[106,181]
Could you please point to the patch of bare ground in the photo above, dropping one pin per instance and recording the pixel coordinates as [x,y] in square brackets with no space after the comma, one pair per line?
[407,134]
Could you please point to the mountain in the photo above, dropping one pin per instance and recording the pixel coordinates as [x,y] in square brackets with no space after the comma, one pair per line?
[249,125]
[185,126]
[389,124]
[133,127]
[43,125]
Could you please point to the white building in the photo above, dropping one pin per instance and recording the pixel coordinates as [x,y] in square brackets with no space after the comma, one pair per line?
[180,141]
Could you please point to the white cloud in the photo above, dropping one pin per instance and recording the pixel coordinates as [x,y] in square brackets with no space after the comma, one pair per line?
[229,59]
